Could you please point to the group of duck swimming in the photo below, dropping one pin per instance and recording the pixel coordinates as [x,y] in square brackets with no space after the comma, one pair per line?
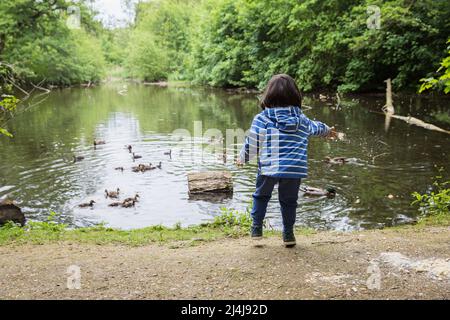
[128,202]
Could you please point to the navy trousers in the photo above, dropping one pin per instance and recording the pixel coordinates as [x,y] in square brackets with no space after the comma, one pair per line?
[287,195]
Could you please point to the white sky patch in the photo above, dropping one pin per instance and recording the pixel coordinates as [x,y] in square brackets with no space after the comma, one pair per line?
[113,13]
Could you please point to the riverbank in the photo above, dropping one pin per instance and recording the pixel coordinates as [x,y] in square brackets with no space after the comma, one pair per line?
[413,263]
[218,260]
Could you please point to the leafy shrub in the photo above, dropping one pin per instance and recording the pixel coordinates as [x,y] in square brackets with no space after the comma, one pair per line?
[437,202]
[443,82]
[146,61]
[232,222]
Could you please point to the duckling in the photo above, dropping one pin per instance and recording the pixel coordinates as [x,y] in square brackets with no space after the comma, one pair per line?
[112,194]
[115,204]
[78,158]
[137,168]
[147,168]
[168,153]
[316,192]
[336,160]
[128,204]
[130,148]
[99,142]
[86,205]
[135,156]
[159,166]
[119,169]
[136,199]
[143,168]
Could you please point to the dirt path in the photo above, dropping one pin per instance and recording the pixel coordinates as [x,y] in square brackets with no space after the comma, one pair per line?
[407,264]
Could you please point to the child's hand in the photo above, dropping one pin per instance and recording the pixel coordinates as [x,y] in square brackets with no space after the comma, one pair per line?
[239,163]
[333,134]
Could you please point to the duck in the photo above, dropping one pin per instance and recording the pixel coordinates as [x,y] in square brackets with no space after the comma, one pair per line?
[143,168]
[137,168]
[112,194]
[316,192]
[135,156]
[147,168]
[99,142]
[135,199]
[115,204]
[78,158]
[129,204]
[336,160]
[119,169]
[86,205]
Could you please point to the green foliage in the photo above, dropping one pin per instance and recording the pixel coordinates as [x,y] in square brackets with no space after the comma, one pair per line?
[35,38]
[232,222]
[437,202]
[443,81]
[114,45]
[159,44]
[324,44]
[146,61]
[239,43]
[8,103]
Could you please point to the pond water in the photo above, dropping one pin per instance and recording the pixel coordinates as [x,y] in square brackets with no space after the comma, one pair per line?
[38,172]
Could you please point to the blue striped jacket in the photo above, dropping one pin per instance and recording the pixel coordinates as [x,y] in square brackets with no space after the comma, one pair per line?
[279,136]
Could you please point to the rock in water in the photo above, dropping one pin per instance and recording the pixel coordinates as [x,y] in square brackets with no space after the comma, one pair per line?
[210,182]
[10,212]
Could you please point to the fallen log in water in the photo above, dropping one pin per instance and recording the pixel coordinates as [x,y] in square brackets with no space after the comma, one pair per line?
[388,111]
[420,123]
[210,182]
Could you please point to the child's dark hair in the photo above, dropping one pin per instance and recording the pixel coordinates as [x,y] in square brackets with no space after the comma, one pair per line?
[281,91]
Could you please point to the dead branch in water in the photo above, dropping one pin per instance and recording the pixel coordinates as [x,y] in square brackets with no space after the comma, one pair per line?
[38,86]
[388,110]
[389,106]
[420,123]
[379,155]
[338,99]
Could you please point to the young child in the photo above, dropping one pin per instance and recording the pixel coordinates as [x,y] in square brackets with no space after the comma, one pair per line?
[279,137]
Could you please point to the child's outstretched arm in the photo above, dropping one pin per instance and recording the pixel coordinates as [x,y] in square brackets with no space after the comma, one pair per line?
[253,141]
[320,129]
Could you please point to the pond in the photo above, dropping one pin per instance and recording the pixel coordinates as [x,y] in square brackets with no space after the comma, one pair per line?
[37,169]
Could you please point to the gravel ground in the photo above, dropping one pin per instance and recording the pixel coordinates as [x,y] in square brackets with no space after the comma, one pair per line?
[407,263]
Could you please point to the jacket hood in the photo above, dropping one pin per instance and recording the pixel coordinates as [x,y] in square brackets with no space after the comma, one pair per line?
[285,119]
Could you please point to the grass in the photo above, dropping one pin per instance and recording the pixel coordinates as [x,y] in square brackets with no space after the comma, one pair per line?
[228,224]
[442,220]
